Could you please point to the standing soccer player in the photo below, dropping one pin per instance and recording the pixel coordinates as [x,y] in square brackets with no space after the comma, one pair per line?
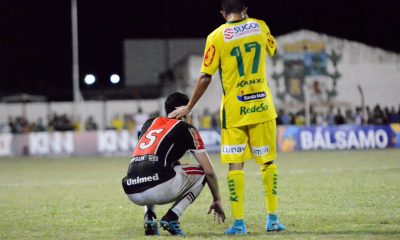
[239,49]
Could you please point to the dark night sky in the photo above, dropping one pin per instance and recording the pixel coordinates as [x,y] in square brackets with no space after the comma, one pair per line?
[35,42]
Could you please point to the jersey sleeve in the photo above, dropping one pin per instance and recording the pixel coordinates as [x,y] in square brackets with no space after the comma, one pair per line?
[211,55]
[194,141]
[271,42]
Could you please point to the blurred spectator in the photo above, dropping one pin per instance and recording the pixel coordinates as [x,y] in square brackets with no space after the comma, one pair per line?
[129,123]
[19,125]
[377,114]
[393,116]
[386,115]
[330,117]
[370,117]
[5,127]
[117,123]
[60,123]
[299,118]
[291,119]
[283,118]
[140,118]
[348,116]
[39,126]
[205,119]
[358,118]
[398,115]
[215,120]
[339,118]
[76,125]
[90,124]
[320,120]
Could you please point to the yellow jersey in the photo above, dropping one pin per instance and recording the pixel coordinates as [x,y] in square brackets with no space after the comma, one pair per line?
[239,50]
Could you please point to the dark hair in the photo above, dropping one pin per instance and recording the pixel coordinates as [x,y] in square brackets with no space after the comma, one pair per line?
[174,100]
[233,6]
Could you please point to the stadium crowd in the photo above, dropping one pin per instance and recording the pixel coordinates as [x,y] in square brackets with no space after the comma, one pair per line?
[207,120]
[375,116]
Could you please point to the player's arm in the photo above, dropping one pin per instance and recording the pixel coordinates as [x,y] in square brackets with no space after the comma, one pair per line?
[212,181]
[209,66]
[271,42]
[201,86]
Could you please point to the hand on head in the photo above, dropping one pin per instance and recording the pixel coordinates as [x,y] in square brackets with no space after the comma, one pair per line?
[179,112]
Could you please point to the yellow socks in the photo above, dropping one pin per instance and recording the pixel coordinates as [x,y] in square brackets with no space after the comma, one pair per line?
[236,190]
[269,175]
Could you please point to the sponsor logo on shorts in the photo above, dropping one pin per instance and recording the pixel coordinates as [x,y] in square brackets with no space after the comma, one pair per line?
[254,109]
[209,56]
[139,180]
[252,96]
[233,149]
[151,158]
[244,83]
[259,151]
[243,30]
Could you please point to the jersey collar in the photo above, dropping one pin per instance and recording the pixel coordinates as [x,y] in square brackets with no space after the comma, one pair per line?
[236,21]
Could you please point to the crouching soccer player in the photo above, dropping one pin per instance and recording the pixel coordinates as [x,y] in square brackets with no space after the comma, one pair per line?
[155,175]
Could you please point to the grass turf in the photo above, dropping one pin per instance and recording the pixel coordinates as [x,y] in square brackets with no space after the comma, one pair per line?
[329,195]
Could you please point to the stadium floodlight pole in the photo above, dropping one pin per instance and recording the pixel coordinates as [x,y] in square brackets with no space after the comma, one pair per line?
[306,90]
[77,97]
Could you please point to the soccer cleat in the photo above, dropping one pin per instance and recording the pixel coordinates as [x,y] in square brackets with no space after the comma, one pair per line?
[170,223]
[150,224]
[273,224]
[238,228]
[172,227]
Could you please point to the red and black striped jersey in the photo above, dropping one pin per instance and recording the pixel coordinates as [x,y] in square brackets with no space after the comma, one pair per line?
[162,143]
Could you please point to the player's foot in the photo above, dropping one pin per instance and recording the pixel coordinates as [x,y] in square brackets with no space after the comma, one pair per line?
[238,228]
[171,224]
[273,224]
[150,224]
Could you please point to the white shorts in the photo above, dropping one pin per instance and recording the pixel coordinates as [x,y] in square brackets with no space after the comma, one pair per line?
[188,177]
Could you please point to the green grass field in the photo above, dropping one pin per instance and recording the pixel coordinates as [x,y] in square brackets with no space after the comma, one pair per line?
[323,195]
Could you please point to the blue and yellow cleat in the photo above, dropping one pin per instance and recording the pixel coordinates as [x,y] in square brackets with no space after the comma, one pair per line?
[172,227]
[238,228]
[273,224]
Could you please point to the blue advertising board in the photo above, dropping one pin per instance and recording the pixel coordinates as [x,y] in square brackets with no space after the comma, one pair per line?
[344,137]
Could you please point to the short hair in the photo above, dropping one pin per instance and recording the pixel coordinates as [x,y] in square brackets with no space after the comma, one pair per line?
[233,6]
[175,100]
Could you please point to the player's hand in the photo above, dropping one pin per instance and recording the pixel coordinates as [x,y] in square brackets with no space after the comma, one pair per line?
[219,213]
[179,112]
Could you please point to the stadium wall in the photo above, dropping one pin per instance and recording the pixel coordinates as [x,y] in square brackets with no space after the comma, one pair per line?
[113,143]
[101,111]
[341,67]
